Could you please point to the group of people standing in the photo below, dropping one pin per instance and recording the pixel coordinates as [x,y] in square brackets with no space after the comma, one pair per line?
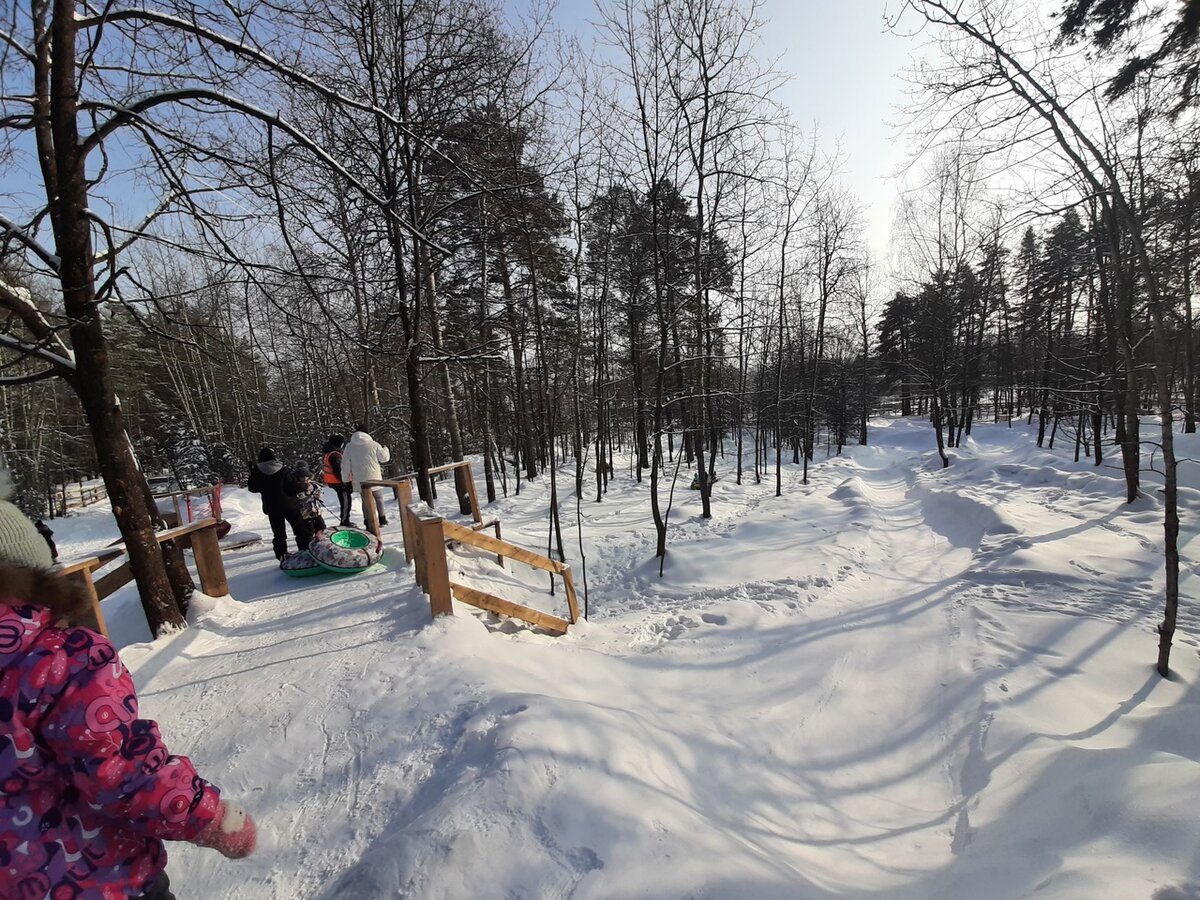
[290,496]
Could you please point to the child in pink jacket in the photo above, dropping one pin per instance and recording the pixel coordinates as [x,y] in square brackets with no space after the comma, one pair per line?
[88,791]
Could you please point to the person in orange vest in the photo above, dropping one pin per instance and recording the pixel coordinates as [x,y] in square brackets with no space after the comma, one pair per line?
[331,474]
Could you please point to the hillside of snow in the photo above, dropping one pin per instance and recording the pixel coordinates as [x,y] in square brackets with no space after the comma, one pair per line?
[896,681]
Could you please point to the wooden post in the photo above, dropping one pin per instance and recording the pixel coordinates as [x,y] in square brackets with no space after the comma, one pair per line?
[370,515]
[404,500]
[572,602]
[418,550]
[211,568]
[433,562]
[94,619]
[475,513]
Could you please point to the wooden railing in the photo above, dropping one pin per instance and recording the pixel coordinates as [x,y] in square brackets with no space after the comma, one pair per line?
[201,536]
[76,495]
[430,532]
[402,490]
[425,534]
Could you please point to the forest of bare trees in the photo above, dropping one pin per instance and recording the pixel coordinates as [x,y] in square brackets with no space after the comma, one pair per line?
[259,223]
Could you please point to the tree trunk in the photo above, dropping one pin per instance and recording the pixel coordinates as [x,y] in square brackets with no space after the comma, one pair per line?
[93,379]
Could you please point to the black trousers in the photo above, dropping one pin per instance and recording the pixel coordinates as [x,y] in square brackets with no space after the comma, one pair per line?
[280,519]
[345,495]
[160,890]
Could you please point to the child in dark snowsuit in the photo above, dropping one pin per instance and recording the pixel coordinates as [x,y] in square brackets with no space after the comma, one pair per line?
[44,530]
[89,790]
[309,496]
[278,486]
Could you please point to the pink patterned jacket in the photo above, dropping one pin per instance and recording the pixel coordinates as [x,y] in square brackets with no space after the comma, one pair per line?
[88,792]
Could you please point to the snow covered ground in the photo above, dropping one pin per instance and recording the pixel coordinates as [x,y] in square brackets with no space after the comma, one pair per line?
[896,681]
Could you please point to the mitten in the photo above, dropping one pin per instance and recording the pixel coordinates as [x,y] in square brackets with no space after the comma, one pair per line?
[231,831]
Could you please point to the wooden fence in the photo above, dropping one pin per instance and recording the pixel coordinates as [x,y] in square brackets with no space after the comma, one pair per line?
[425,534]
[201,536]
[74,495]
[429,533]
[402,490]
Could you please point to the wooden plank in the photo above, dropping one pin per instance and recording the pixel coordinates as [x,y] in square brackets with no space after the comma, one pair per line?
[437,575]
[507,608]
[572,601]
[475,512]
[437,470]
[103,558]
[501,548]
[385,482]
[209,565]
[174,534]
[114,580]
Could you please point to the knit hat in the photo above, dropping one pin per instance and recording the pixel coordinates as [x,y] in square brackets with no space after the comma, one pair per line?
[20,543]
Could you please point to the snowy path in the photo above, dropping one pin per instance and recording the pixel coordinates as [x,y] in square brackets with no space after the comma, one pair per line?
[895,681]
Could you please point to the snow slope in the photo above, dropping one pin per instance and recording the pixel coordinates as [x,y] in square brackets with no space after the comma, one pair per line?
[895,681]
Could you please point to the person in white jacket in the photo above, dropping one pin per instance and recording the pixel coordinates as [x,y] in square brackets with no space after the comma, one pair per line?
[362,460]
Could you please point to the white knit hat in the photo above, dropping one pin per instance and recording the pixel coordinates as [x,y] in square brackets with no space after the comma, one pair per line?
[20,542]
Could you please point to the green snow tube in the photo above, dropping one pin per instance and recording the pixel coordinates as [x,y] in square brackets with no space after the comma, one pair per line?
[347,551]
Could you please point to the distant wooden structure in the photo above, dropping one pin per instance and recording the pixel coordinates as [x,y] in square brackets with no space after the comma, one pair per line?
[181,502]
[74,495]
[201,536]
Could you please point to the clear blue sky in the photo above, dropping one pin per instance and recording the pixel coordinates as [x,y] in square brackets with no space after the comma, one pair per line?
[845,73]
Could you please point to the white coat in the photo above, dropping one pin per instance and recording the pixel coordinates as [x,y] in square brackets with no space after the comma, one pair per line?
[362,459]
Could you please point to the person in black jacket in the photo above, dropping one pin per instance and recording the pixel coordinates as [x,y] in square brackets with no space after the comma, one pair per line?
[278,486]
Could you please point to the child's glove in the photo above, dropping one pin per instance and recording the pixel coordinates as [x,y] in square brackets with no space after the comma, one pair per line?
[232,832]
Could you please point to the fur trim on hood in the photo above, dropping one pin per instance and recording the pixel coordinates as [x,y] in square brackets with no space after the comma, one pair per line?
[64,597]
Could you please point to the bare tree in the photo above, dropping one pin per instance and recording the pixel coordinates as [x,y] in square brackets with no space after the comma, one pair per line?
[990,58]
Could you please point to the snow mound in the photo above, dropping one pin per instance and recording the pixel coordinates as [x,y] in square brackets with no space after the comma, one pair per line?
[962,519]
